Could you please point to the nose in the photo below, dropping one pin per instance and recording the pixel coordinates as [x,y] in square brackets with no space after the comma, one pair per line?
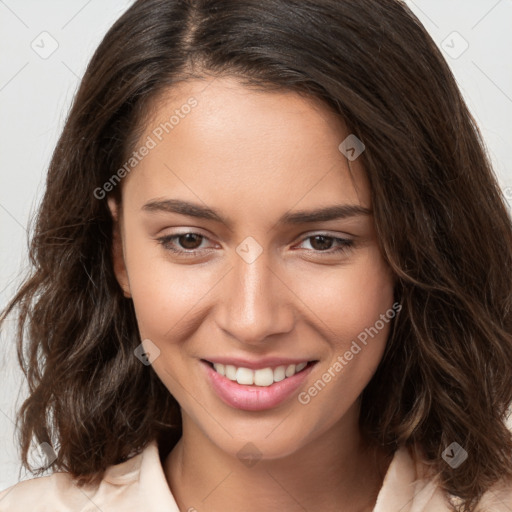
[256,301]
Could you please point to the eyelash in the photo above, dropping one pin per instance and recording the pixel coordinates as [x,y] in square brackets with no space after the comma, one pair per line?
[346,244]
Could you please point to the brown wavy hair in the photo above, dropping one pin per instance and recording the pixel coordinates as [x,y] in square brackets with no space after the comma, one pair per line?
[443,227]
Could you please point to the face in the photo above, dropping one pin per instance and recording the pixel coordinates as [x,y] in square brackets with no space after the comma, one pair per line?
[232,272]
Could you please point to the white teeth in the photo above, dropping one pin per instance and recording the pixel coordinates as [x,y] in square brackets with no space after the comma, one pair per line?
[219,368]
[262,377]
[279,374]
[290,370]
[230,372]
[245,376]
[300,367]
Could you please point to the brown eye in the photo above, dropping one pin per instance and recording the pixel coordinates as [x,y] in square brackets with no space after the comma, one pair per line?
[324,243]
[321,242]
[186,244]
[189,241]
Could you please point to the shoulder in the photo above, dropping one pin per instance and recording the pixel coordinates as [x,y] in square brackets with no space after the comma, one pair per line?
[409,486]
[134,485]
[42,493]
[497,499]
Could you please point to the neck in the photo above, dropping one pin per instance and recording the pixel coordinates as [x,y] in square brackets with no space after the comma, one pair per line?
[336,471]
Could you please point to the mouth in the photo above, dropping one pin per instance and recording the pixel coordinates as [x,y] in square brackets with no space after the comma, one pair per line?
[256,389]
[262,377]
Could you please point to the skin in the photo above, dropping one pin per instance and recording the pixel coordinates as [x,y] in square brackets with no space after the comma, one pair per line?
[253,156]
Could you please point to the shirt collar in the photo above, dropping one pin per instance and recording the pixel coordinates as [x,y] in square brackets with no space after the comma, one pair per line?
[405,487]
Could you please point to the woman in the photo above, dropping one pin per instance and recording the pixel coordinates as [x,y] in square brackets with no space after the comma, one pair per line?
[272,271]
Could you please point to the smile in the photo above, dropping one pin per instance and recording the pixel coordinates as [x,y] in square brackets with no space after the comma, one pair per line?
[256,389]
[262,377]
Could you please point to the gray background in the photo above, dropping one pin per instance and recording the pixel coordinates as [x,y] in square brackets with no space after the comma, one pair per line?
[36,90]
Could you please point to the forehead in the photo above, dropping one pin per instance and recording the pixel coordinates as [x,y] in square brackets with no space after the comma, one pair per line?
[218,141]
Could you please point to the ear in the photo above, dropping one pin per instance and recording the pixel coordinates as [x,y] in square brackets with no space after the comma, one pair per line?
[118,249]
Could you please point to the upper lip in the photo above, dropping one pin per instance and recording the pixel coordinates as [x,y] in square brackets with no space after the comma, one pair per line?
[257,364]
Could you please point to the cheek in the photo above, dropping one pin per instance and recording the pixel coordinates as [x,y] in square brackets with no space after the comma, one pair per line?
[164,294]
[167,302]
[351,299]
[356,317]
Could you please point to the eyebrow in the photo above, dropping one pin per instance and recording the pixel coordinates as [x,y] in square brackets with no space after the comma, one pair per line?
[190,209]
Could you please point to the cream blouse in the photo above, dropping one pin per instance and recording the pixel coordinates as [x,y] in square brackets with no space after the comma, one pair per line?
[139,484]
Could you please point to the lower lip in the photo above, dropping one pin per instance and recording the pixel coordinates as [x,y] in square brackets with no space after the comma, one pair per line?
[254,398]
